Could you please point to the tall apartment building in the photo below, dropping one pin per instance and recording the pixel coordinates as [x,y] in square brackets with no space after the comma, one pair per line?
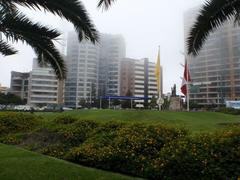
[44,88]
[112,51]
[19,84]
[82,78]
[93,70]
[138,77]
[215,72]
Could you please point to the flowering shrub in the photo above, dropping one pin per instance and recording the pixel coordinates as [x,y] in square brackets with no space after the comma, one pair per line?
[127,149]
[55,150]
[16,122]
[76,133]
[65,119]
[230,111]
[11,139]
[215,156]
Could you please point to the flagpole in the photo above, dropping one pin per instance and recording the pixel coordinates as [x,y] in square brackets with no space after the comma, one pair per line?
[188,98]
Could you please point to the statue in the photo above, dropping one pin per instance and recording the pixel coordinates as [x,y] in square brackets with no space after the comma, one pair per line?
[175,101]
[174,91]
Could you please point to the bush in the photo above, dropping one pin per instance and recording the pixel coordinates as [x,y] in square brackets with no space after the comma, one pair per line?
[230,111]
[127,149]
[65,119]
[76,133]
[16,122]
[54,150]
[11,139]
[202,157]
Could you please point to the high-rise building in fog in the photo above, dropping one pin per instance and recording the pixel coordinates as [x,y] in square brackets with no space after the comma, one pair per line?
[82,77]
[93,69]
[215,72]
[112,51]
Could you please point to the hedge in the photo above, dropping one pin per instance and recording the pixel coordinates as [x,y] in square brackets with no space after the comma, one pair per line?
[16,122]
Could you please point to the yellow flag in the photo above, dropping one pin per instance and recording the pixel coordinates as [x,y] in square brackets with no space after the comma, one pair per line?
[158,71]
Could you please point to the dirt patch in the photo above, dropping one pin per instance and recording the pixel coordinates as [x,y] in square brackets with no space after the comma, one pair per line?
[41,138]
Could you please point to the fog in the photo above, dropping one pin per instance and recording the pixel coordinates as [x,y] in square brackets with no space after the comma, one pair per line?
[145,24]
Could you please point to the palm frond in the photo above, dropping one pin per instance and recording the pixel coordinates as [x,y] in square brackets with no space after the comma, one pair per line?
[213,14]
[105,4]
[17,27]
[6,49]
[71,10]
[17,21]
[47,53]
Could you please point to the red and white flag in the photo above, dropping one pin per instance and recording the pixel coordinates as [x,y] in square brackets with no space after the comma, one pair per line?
[186,79]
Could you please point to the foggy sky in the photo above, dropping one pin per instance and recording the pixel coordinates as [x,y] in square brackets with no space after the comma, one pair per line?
[145,24]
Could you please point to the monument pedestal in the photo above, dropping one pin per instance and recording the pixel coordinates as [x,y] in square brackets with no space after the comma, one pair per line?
[175,104]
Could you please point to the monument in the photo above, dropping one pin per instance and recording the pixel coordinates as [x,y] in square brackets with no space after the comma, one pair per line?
[175,101]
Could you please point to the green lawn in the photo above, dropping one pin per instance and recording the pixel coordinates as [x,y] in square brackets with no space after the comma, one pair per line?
[194,121]
[24,165]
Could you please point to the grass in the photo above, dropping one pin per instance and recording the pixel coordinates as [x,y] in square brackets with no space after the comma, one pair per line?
[20,164]
[194,121]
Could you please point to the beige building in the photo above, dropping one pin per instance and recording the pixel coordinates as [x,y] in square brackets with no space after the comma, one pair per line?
[44,88]
[138,77]
[3,89]
[215,72]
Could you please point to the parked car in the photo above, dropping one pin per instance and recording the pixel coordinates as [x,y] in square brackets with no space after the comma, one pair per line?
[22,108]
[67,109]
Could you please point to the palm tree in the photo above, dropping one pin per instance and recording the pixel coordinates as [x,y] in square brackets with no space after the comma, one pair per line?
[105,3]
[15,26]
[213,14]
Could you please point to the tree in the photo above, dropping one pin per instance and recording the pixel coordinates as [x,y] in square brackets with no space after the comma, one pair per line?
[82,103]
[116,102]
[127,103]
[153,102]
[105,3]
[166,104]
[15,26]
[213,14]
[9,98]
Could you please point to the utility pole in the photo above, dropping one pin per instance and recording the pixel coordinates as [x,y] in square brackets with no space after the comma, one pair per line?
[131,104]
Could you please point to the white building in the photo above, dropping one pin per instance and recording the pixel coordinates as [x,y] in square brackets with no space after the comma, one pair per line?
[112,51]
[44,88]
[82,77]
[93,70]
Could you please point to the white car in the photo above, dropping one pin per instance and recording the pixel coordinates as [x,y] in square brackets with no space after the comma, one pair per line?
[67,109]
[22,108]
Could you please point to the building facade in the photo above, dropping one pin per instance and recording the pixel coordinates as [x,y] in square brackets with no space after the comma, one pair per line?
[82,77]
[215,72]
[19,84]
[3,89]
[44,89]
[112,51]
[93,69]
[138,78]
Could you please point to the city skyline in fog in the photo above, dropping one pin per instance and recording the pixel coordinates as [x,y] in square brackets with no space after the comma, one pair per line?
[143,26]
